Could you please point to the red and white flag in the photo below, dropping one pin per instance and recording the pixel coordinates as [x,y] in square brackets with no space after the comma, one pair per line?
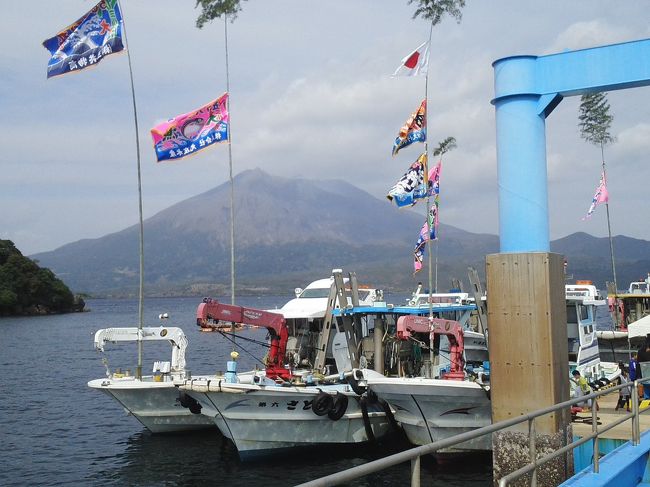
[415,64]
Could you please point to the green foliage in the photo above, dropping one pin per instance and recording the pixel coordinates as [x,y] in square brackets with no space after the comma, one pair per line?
[214,9]
[24,286]
[445,146]
[435,10]
[595,119]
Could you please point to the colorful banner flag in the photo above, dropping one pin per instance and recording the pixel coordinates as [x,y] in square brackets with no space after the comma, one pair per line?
[416,63]
[429,230]
[188,133]
[601,196]
[86,42]
[411,185]
[414,130]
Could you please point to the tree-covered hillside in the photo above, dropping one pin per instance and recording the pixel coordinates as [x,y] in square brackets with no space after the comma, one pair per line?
[26,288]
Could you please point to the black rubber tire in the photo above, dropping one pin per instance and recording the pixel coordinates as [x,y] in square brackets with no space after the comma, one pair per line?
[322,404]
[339,408]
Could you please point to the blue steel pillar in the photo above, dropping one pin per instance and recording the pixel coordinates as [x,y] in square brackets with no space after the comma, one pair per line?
[527,315]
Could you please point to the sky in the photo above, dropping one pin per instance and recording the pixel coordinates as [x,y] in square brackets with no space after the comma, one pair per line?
[311,96]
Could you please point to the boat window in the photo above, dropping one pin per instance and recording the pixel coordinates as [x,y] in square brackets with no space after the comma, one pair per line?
[315,293]
[584,312]
[571,314]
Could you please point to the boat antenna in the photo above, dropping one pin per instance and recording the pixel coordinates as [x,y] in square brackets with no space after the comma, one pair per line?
[232,184]
[138,373]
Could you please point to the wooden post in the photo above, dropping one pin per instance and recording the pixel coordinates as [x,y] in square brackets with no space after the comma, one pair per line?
[528,356]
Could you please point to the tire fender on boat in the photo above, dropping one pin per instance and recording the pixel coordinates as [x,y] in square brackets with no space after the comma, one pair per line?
[339,407]
[323,403]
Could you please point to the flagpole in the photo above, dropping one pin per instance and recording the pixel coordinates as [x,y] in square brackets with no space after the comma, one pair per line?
[429,223]
[609,230]
[138,373]
[232,185]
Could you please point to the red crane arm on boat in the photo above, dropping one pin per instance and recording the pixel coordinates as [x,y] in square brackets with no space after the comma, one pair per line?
[211,309]
[437,326]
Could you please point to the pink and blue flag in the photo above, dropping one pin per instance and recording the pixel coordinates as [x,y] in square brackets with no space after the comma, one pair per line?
[601,196]
[429,230]
[188,133]
[414,130]
[86,42]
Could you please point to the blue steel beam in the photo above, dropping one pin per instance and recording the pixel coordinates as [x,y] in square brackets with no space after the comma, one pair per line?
[527,89]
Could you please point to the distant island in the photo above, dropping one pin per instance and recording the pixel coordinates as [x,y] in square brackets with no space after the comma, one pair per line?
[28,289]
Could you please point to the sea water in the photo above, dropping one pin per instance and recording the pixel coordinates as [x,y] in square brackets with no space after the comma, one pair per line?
[55,430]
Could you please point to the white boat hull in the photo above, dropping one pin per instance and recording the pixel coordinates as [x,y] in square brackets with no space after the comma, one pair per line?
[433,409]
[155,404]
[266,419]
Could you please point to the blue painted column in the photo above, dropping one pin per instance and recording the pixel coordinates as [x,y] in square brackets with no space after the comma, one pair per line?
[521,155]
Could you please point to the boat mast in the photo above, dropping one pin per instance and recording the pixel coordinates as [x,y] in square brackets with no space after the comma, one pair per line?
[138,372]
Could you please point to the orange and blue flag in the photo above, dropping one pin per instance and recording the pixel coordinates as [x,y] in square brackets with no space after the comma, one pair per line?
[86,42]
[414,130]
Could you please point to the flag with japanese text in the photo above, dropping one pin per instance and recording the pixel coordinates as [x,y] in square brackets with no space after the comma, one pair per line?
[414,130]
[188,133]
[86,42]
[429,230]
[411,185]
[416,63]
[601,196]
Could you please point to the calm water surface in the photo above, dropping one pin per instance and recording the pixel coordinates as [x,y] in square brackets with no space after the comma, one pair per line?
[54,430]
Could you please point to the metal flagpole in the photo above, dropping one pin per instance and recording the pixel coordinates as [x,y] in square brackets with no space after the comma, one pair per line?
[138,373]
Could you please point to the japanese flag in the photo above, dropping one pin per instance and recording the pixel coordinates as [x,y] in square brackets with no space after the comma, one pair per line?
[415,63]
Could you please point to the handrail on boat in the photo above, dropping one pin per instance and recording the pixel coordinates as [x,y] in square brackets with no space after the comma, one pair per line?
[414,454]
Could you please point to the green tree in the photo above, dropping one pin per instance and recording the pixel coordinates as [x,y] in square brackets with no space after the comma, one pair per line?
[595,122]
[24,285]
[595,119]
[433,10]
[445,146]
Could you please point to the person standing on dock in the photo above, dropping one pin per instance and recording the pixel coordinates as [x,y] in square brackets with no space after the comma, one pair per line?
[643,371]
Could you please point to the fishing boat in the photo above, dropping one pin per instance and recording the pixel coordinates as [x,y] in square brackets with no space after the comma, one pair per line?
[290,404]
[582,302]
[432,371]
[625,308]
[154,399]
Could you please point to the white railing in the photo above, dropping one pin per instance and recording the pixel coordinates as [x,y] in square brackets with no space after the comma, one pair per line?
[414,454]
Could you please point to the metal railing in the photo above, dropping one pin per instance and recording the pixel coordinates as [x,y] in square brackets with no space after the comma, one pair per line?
[414,454]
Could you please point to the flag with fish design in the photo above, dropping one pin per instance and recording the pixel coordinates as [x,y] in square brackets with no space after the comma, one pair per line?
[189,133]
[86,42]
[414,130]
[429,230]
[411,186]
[601,196]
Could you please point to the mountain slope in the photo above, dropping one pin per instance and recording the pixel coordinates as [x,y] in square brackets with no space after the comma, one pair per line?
[291,231]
